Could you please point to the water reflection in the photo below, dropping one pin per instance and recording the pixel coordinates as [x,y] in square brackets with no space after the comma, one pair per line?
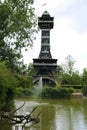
[48,117]
[5,125]
[55,114]
[71,116]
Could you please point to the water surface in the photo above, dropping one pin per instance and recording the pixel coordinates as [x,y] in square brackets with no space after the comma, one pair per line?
[67,114]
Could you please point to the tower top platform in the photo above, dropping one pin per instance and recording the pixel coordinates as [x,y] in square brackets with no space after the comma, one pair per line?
[45,21]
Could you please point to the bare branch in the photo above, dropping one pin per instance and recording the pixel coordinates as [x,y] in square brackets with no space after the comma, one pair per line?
[13,111]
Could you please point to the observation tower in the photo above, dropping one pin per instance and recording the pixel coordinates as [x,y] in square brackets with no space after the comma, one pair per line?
[45,66]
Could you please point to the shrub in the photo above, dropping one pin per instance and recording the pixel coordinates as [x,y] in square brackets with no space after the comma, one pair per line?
[64,92]
[49,92]
[20,92]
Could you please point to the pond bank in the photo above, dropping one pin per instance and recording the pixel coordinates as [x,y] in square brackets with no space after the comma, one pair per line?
[77,95]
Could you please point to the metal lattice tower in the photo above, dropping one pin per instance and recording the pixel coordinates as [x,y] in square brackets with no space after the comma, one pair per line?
[45,65]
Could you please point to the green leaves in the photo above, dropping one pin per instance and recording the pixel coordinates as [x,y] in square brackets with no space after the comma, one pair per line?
[8,83]
[18,24]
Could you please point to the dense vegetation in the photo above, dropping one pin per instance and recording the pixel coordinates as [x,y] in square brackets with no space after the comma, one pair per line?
[8,83]
[50,92]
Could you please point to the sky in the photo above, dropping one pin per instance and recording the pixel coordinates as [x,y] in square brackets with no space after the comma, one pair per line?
[69,35]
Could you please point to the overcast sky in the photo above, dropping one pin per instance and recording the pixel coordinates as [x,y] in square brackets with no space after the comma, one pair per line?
[69,35]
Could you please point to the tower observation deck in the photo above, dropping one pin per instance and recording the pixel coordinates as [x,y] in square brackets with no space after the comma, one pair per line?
[45,66]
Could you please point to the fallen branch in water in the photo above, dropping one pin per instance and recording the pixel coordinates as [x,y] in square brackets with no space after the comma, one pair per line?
[8,114]
[23,119]
[34,120]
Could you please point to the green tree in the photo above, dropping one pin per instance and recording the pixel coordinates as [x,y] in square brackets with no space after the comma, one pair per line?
[66,79]
[84,76]
[76,78]
[17,27]
[84,81]
[69,65]
[69,75]
[8,83]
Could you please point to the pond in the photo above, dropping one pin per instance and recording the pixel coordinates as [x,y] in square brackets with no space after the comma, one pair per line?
[63,114]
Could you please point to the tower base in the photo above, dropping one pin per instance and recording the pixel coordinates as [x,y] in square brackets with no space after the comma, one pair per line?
[45,68]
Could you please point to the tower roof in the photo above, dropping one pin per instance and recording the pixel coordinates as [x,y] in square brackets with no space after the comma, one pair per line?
[45,14]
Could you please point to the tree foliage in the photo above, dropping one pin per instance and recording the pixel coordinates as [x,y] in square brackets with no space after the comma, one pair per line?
[84,80]
[8,83]
[31,70]
[17,27]
[84,76]
[69,65]
[69,76]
